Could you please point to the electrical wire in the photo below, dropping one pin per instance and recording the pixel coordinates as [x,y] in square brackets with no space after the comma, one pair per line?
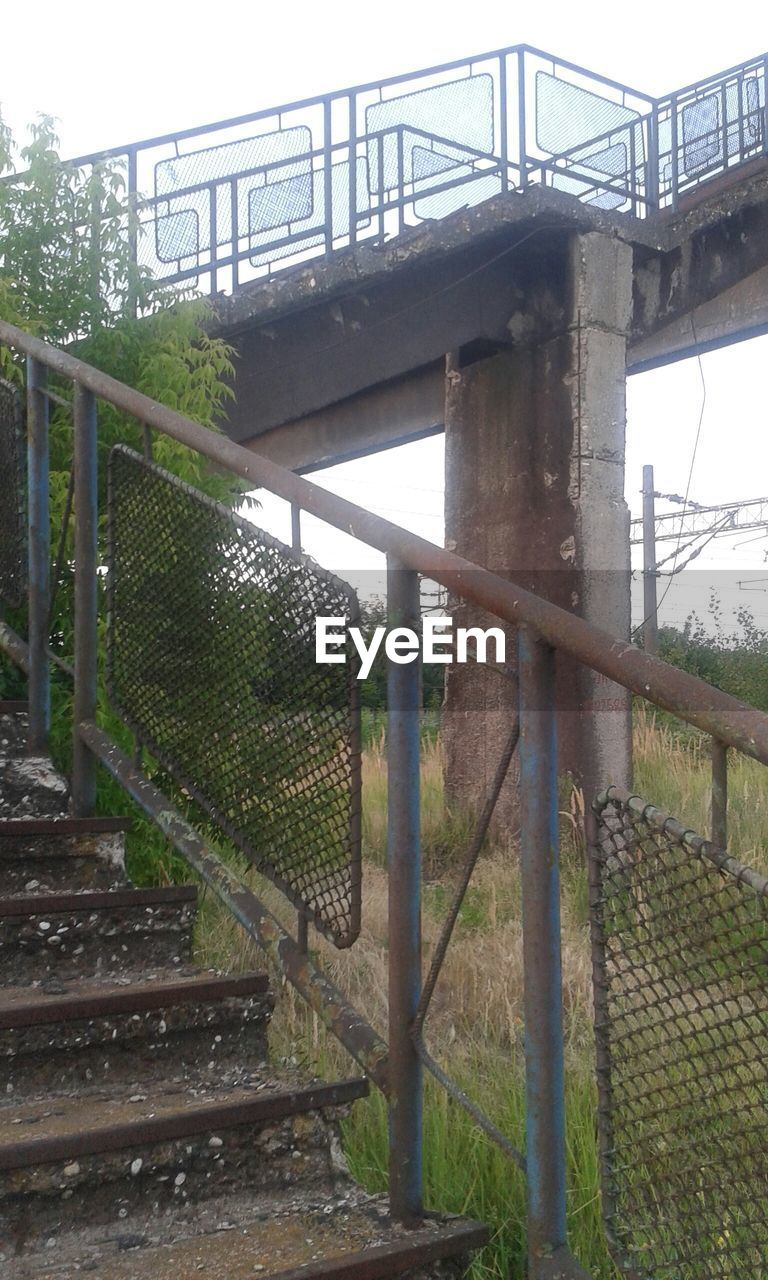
[690,473]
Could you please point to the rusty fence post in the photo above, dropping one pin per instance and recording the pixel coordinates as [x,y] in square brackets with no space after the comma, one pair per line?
[539,852]
[86,599]
[719,814]
[39,538]
[404,862]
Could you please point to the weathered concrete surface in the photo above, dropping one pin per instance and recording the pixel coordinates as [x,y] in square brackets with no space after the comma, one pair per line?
[323,348]
[534,490]
[739,312]
[343,356]
[404,409]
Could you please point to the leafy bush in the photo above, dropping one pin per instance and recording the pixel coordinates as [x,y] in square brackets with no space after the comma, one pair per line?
[736,662]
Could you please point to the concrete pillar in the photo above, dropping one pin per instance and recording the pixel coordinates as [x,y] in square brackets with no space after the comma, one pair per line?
[535,491]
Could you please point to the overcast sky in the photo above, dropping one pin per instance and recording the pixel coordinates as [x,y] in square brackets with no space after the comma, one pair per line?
[114,73]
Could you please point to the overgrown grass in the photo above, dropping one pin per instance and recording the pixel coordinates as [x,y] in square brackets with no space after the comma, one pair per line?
[475,1027]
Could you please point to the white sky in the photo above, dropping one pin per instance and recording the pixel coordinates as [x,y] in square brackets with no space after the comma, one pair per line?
[115,73]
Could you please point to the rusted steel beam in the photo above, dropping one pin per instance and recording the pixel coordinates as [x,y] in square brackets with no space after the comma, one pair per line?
[44,1010]
[733,722]
[406,1099]
[181,1124]
[39,552]
[83,792]
[382,1261]
[358,1037]
[719,802]
[542,998]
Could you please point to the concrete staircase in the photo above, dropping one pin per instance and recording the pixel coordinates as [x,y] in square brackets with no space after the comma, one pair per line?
[143,1131]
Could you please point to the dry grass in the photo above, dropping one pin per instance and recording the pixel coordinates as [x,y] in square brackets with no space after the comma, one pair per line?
[475,1026]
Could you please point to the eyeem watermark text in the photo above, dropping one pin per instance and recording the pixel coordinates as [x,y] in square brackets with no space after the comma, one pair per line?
[438,642]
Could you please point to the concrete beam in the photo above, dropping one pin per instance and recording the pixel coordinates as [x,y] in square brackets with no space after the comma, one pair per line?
[305,361]
[736,314]
[710,257]
[408,409]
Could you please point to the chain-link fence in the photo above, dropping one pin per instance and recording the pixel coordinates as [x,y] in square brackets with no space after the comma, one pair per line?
[211,661]
[13,548]
[680,948]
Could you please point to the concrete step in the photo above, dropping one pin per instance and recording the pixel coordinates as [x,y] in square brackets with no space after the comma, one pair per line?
[29,785]
[115,931]
[13,729]
[345,1237]
[44,855]
[97,1159]
[171,1026]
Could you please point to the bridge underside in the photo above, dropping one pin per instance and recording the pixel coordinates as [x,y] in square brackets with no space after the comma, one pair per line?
[511,326]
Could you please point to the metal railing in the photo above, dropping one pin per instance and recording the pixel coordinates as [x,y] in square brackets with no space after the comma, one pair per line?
[544,629]
[680,953]
[236,200]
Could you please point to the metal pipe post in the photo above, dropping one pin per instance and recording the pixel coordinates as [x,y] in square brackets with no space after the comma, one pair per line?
[650,608]
[295,527]
[652,194]
[522,132]
[539,844]
[404,859]
[39,537]
[86,600]
[765,108]
[719,815]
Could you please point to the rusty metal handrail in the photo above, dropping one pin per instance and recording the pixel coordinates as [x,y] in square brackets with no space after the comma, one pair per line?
[543,628]
[691,699]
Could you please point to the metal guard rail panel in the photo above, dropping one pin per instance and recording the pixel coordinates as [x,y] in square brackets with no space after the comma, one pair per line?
[680,954]
[232,201]
[210,661]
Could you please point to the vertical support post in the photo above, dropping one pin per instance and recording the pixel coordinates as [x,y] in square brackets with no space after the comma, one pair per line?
[503,122]
[765,108]
[352,104]
[295,527]
[719,815]
[650,607]
[400,180]
[674,151]
[522,140]
[404,860]
[39,538]
[539,844]
[328,175]
[133,232]
[652,194]
[302,919]
[86,599]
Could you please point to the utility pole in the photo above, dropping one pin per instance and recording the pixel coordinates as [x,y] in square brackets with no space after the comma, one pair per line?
[650,610]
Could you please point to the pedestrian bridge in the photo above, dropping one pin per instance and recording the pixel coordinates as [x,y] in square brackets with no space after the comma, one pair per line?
[241,199]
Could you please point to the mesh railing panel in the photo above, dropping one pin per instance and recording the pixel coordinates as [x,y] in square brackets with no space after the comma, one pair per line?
[13,548]
[569,116]
[211,661]
[680,947]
